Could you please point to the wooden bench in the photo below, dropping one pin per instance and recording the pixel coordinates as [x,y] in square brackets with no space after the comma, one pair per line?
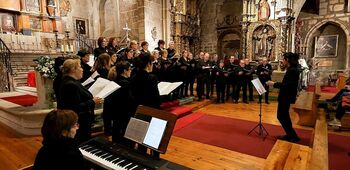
[286,155]
[319,144]
[306,108]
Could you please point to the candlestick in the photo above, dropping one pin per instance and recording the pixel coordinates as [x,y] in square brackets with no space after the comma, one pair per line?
[62,48]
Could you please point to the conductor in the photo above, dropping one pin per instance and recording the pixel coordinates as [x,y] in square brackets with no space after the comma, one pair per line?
[287,95]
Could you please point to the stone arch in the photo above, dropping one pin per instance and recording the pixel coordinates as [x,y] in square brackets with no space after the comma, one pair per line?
[309,36]
[222,44]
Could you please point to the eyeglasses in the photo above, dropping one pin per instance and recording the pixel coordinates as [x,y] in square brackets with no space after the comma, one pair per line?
[76,125]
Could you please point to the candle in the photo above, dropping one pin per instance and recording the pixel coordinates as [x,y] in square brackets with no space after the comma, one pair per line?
[62,48]
[66,48]
[71,48]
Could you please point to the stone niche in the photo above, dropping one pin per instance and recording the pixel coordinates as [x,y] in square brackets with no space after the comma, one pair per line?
[334,61]
[264,37]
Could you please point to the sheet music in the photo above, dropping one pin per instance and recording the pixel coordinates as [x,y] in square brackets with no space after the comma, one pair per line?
[166,87]
[103,87]
[94,75]
[155,132]
[88,81]
[108,89]
[136,130]
[258,86]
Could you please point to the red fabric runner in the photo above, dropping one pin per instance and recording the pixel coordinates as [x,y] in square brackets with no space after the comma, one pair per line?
[23,100]
[232,134]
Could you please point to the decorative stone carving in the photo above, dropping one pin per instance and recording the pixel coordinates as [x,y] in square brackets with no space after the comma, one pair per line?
[263,42]
[65,7]
[264,10]
[154,33]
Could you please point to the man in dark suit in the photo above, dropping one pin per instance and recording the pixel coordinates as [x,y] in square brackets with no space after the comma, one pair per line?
[287,95]
[264,72]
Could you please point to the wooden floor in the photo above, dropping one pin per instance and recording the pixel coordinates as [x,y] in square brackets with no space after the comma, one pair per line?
[17,151]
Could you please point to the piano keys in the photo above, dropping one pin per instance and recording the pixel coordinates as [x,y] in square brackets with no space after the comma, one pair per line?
[114,156]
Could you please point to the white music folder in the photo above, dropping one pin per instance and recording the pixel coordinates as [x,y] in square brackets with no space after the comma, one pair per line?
[258,86]
[103,87]
[90,79]
[166,87]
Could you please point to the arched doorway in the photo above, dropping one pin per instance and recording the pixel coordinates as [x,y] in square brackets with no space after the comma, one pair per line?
[229,44]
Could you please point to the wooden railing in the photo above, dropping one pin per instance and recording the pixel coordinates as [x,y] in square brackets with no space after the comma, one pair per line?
[5,58]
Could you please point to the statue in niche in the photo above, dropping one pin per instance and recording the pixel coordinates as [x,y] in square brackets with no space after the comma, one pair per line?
[264,43]
[264,10]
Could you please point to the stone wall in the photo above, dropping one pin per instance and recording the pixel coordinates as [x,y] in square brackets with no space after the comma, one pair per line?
[219,22]
[333,19]
[153,30]
[208,20]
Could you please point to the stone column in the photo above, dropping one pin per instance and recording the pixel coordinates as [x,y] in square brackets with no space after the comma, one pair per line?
[285,26]
[245,25]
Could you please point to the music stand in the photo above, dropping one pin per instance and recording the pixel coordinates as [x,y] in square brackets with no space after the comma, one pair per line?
[259,128]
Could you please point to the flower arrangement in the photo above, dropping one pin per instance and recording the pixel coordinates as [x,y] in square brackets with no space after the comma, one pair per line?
[45,66]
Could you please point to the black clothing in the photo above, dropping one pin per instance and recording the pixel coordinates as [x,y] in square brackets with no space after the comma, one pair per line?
[57,81]
[143,51]
[120,107]
[144,87]
[231,80]
[159,49]
[203,78]
[86,71]
[165,70]
[249,77]
[241,83]
[156,68]
[192,74]
[221,84]
[213,76]
[76,97]
[103,72]
[112,49]
[98,51]
[184,76]
[171,53]
[58,155]
[287,95]
[264,73]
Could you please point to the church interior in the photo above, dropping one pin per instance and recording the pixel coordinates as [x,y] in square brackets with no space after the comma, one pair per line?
[208,133]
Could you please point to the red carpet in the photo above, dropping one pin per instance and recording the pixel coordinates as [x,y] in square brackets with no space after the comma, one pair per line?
[167,105]
[338,148]
[181,111]
[184,121]
[232,134]
[325,89]
[23,100]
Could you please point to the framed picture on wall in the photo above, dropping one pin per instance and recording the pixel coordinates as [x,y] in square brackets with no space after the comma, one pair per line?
[8,22]
[35,24]
[81,26]
[326,46]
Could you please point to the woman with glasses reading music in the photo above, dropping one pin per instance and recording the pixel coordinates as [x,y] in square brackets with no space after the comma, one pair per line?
[60,150]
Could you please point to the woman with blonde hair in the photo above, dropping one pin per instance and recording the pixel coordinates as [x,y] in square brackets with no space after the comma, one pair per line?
[74,96]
